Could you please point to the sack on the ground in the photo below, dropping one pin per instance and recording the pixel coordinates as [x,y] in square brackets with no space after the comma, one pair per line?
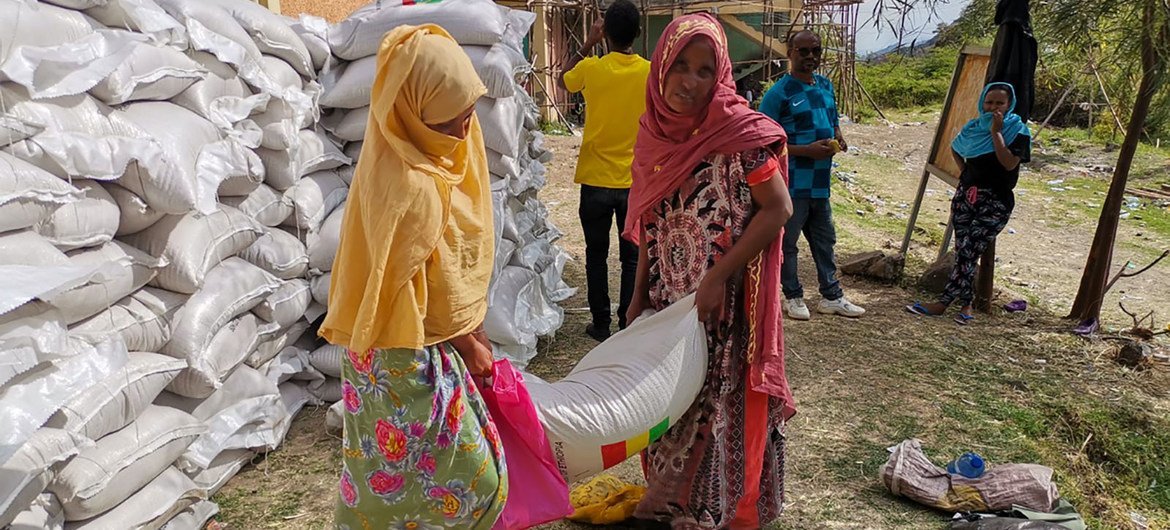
[909,473]
[280,253]
[263,204]
[195,517]
[328,391]
[120,398]
[476,22]
[242,414]
[29,194]
[221,470]
[327,359]
[26,474]
[531,465]
[194,244]
[143,319]
[156,503]
[122,462]
[125,270]
[323,243]
[625,393]
[91,220]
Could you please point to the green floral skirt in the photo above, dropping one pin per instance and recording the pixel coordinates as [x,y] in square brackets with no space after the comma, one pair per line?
[420,451]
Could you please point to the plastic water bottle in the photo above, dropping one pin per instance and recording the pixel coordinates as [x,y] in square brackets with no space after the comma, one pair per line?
[969,465]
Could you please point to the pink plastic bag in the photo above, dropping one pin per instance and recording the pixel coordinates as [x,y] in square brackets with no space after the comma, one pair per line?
[537,492]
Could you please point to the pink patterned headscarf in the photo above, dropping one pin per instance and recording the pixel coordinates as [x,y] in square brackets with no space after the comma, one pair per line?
[670,145]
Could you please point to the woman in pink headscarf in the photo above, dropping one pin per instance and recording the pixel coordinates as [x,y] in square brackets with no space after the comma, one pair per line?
[707,208]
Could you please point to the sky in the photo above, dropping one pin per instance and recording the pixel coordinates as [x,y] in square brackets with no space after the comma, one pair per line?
[921,25]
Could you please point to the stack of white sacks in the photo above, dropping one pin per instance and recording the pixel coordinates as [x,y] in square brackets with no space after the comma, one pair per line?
[168,150]
[527,283]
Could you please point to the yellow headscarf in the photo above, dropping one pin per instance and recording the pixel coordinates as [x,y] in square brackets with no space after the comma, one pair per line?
[416,248]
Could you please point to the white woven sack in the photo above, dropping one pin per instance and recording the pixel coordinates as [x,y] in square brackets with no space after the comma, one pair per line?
[31,398]
[478,22]
[314,197]
[156,503]
[194,517]
[200,157]
[141,16]
[319,285]
[120,398]
[220,471]
[149,73]
[327,359]
[273,347]
[143,319]
[129,270]
[314,32]
[81,137]
[628,391]
[349,86]
[226,352]
[287,304]
[280,253]
[29,194]
[263,204]
[347,124]
[314,152]
[329,390]
[29,335]
[212,29]
[230,289]
[241,414]
[44,513]
[193,244]
[323,243]
[502,121]
[495,68]
[518,309]
[25,475]
[28,248]
[25,23]
[121,463]
[271,33]
[90,221]
[134,215]
[219,86]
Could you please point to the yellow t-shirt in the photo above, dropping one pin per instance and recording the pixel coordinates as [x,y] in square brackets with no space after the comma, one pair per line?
[614,87]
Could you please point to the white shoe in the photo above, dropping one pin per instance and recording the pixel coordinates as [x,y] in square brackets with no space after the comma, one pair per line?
[796,309]
[840,306]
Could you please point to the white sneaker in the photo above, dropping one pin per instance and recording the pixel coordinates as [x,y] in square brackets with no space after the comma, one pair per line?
[840,306]
[796,309]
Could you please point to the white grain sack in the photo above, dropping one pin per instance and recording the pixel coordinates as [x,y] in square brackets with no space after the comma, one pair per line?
[89,221]
[280,253]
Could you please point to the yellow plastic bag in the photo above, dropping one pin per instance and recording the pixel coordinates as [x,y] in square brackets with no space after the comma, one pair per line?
[604,500]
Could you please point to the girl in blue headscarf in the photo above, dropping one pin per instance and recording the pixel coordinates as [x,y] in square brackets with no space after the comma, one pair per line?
[989,150]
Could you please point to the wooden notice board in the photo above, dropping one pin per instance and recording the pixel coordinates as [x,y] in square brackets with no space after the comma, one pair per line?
[961,105]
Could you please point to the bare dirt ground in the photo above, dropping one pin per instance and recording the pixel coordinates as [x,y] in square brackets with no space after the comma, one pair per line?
[1017,388]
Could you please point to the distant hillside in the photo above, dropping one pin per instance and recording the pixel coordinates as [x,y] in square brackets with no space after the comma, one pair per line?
[911,49]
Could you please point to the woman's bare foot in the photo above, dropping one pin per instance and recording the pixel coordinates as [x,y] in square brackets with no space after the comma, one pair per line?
[935,308]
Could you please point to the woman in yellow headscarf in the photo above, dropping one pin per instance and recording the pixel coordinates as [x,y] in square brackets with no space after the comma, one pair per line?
[408,299]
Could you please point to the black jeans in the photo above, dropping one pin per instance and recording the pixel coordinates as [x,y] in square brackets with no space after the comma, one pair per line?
[599,207]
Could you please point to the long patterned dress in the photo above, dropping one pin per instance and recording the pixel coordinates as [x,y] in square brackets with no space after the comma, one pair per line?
[419,451]
[696,472]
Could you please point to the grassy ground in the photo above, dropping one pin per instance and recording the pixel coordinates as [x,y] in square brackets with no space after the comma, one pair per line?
[1016,388]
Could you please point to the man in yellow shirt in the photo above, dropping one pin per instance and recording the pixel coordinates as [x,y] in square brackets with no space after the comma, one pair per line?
[614,87]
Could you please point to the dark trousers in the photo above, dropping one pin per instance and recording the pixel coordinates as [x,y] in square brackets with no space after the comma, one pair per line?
[976,226]
[599,207]
[814,219]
